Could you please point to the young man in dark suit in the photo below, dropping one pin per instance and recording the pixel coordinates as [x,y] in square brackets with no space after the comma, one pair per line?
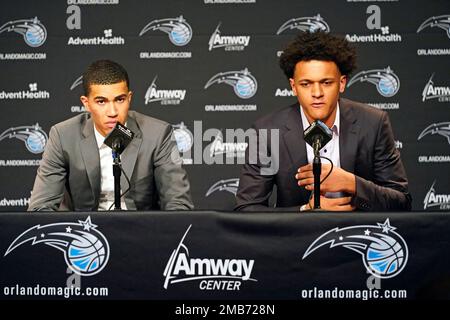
[368,173]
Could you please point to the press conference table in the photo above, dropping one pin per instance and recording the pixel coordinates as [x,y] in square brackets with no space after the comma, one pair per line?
[207,255]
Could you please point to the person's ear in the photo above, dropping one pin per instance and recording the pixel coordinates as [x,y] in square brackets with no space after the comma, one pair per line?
[292,83]
[342,83]
[85,102]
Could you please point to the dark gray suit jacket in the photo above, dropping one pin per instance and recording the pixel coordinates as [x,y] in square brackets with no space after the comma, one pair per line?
[68,177]
[367,149]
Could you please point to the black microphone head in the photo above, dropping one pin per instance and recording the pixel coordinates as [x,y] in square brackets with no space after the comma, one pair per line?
[119,138]
[318,132]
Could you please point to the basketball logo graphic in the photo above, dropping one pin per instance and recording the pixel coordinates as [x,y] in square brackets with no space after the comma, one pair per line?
[183,137]
[178,30]
[34,137]
[33,31]
[384,252]
[86,250]
[243,82]
[385,80]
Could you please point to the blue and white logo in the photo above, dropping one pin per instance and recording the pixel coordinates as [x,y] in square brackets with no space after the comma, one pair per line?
[85,249]
[243,82]
[183,137]
[442,129]
[442,22]
[384,252]
[179,31]
[229,185]
[385,80]
[306,24]
[34,137]
[33,31]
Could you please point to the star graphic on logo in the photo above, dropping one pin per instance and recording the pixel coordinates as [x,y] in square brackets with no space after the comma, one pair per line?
[87,225]
[367,232]
[69,229]
[386,226]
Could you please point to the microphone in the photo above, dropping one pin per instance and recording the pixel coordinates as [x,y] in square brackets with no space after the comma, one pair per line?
[119,138]
[317,135]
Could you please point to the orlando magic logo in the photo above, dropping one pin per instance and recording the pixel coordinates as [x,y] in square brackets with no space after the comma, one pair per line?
[34,137]
[243,82]
[442,22]
[76,83]
[229,185]
[384,252]
[385,80]
[179,31]
[85,249]
[306,24]
[442,129]
[183,137]
[32,30]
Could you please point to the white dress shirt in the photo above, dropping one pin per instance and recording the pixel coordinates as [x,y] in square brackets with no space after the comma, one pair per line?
[330,150]
[106,175]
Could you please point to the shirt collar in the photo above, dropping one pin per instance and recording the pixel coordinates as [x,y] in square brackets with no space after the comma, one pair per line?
[99,138]
[334,128]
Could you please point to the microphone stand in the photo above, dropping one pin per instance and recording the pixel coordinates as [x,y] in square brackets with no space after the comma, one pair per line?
[317,170]
[116,174]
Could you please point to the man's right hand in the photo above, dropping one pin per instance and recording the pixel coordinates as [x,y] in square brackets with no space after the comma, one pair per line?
[334,204]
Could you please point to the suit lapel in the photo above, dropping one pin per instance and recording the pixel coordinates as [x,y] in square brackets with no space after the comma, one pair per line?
[293,137]
[348,140]
[91,158]
[129,155]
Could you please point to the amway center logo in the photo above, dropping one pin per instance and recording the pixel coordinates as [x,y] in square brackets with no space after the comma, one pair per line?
[229,149]
[229,43]
[386,81]
[86,250]
[32,30]
[442,22]
[213,274]
[106,39]
[178,30]
[305,24]
[243,82]
[31,93]
[229,185]
[384,252]
[432,199]
[166,97]
[34,137]
[435,92]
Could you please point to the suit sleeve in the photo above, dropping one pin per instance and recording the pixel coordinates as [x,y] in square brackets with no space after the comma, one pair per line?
[257,180]
[48,189]
[170,177]
[388,190]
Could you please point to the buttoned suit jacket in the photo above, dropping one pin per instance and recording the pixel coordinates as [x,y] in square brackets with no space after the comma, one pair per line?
[366,148]
[68,177]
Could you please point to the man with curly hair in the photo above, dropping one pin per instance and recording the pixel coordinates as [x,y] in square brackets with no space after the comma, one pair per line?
[368,173]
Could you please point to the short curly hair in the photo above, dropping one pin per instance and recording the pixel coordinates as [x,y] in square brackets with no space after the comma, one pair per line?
[104,72]
[318,46]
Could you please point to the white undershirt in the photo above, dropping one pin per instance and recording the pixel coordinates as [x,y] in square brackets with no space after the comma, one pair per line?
[330,150]
[106,175]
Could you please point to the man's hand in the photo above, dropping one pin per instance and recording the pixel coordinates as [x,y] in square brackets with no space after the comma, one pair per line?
[338,181]
[334,204]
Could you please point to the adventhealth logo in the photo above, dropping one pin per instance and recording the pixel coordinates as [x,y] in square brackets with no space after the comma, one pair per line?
[213,274]
[31,93]
[106,39]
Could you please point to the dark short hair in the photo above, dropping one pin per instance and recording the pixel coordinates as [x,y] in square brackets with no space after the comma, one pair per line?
[104,72]
[318,46]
